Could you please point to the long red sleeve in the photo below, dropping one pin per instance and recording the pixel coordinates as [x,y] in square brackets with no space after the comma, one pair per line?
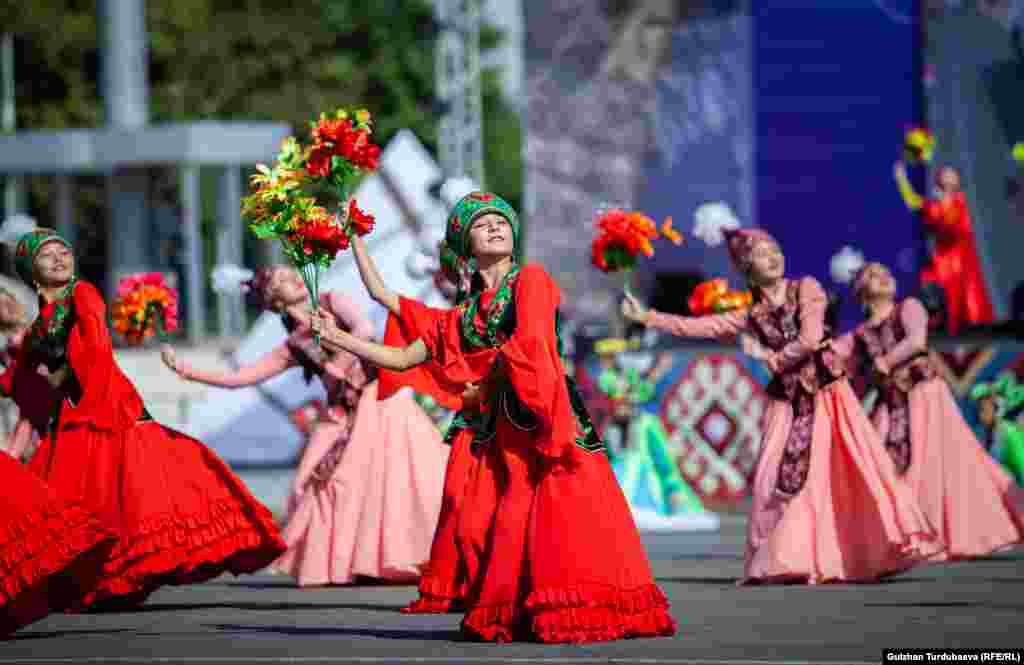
[109,401]
[417,321]
[533,365]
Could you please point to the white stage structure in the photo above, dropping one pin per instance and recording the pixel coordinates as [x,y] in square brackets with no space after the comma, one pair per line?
[251,426]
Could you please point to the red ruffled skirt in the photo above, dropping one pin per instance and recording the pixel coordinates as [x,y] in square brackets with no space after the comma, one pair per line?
[542,555]
[181,515]
[443,580]
[51,549]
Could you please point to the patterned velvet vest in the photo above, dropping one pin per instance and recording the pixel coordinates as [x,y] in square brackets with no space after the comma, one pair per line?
[776,327]
[875,341]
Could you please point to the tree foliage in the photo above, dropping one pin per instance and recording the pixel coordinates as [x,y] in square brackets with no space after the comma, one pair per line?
[248,60]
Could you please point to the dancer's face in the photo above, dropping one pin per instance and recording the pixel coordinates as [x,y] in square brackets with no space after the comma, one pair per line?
[879,283]
[491,236]
[287,288]
[948,179]
[987,412]
[54,264]
[767,264]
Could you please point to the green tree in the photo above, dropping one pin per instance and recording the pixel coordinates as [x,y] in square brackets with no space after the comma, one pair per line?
[249,60]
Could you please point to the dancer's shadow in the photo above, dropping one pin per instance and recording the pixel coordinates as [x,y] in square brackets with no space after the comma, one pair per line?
[259,607]
[326,631]
[706,581]
[941,604]
[57,634]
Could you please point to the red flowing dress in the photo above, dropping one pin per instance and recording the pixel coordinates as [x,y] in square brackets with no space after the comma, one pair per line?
[535,533]
[180,514]
[954,265]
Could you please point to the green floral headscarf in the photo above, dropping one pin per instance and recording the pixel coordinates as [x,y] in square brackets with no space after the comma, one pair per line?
[28,247]
[456,256]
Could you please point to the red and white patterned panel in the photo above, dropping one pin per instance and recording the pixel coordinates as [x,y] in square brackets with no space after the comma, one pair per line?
[713,415]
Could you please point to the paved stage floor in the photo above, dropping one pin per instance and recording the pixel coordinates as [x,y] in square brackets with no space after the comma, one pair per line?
[264,619]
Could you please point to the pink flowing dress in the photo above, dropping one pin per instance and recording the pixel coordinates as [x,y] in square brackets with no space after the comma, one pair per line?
[827,505]
[367,491]
[973,503]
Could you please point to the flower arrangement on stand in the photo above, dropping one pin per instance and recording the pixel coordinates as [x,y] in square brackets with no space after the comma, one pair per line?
[290,199]
[145,307]
[623,236]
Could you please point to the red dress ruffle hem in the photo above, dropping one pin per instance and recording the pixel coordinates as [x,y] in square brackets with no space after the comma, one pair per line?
[535,534]
[51,550]
[180,514]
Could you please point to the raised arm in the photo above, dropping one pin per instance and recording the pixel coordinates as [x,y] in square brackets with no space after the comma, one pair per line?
[912,199]
[268,366]
[813,303]
[915,322]
[371,277]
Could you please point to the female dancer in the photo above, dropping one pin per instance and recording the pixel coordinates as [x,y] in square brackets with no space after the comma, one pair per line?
[33,414]
[367,492]
[974,503]
[544,534]
[181,515]
[954,265]
[52,548]
[827,504]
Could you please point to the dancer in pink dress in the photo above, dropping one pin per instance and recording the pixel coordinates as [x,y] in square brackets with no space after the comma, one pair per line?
[975,505]
[827,505]
[367,493]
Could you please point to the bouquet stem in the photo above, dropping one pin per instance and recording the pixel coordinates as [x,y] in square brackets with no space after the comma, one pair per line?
[311,276]
[627,279]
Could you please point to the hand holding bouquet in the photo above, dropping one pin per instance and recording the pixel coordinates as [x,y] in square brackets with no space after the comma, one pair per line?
[290,199]
[918,146]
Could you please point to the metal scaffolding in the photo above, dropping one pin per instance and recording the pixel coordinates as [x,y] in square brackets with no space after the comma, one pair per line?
[457,72]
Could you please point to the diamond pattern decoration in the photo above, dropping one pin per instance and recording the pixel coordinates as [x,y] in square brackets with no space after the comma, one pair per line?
[713,414]
[961,366]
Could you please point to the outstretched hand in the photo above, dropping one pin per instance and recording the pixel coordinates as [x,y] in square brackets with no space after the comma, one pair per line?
[633,310]
[170,360]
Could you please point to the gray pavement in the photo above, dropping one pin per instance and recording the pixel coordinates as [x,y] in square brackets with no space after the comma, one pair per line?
[265,619]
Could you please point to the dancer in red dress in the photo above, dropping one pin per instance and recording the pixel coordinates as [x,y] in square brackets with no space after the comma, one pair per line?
[544,534]
[181,515]
[975,505]
[52,549]
[33,414]
[954,265]
[827,504]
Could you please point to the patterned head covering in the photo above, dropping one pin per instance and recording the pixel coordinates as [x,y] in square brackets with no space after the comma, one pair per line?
[457,261]
[741,244]
[27,248]
[257,290]
[860,280]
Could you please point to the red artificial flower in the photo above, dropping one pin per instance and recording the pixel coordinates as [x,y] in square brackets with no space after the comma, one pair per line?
[319,162]
[361,222]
